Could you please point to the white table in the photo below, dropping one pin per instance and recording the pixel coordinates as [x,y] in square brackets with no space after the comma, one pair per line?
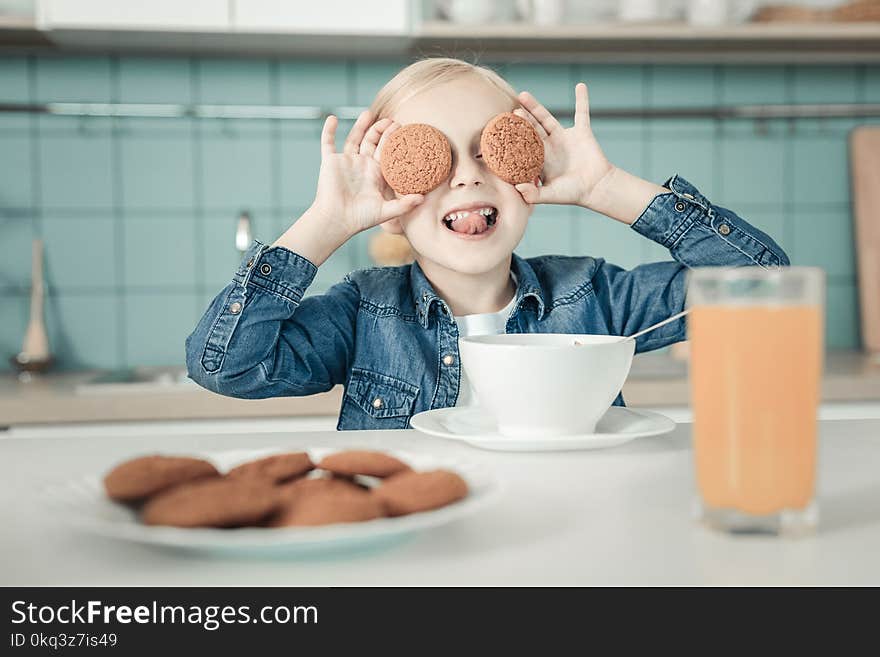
[617,516]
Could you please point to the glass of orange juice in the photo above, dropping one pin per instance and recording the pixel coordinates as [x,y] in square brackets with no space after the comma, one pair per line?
[756,363]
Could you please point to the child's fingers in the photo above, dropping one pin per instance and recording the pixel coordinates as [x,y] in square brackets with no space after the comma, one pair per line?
[374,134]
[519,111]
[399,206]
[533,194]
[385,134]
[529,192]
[357,132]
[581,106]
[541,113]
[328,136]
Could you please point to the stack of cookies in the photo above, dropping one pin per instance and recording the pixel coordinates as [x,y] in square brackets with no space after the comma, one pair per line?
[282,490]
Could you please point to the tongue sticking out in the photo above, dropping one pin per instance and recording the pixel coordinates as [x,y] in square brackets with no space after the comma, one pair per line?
[472,224]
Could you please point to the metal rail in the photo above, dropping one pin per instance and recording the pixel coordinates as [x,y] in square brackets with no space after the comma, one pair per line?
[347,112]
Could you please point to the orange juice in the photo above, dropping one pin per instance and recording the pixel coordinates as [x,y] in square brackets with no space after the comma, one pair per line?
[755,379]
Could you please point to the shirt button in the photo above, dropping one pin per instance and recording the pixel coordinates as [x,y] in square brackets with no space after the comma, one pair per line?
[377,402]
[265,269]
[235,307]
[443,310]
[448,359]
[425,296]
[250,263]
[679,207]
[724,229]
[686,195]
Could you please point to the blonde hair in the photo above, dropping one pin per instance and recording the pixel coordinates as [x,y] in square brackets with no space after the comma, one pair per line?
[430,72]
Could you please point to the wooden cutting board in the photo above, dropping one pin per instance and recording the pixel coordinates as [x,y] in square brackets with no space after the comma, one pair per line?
[865,171]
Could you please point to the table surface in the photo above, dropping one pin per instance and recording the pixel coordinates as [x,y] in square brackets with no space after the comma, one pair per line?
[619,516]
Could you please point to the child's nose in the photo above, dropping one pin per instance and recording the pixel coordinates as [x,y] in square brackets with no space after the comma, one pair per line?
[467,171]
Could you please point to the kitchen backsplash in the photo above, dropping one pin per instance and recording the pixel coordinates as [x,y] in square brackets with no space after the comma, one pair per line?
[139,215]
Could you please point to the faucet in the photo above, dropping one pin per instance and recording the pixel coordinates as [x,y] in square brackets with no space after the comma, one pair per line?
[243,231]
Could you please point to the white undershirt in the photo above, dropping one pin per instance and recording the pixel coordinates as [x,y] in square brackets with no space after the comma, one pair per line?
[480,324]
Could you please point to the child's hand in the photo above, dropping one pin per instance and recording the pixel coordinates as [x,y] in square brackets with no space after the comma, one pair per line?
[573,160]
[351,190]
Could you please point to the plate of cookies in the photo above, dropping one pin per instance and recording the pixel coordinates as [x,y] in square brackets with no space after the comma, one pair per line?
[271,500]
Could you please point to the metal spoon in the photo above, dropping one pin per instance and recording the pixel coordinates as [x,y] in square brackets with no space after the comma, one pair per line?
[647,330]
[658,325]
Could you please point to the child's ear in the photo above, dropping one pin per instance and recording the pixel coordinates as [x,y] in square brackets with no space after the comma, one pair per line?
[392,226]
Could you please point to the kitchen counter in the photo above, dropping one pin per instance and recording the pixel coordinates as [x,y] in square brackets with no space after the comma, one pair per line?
[607,517]
[655,380]
[66,397]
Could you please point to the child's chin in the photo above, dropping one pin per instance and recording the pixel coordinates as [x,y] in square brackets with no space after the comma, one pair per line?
[475,264]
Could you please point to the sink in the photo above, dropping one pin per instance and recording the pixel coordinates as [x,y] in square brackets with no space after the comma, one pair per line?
[138,380]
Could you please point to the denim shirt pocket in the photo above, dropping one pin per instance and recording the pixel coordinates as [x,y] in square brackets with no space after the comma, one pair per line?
[376,401]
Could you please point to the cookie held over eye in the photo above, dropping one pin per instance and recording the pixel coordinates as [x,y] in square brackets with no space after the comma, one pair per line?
[411,492]
[140,478]
[222,502]
[512,148]
[415,159]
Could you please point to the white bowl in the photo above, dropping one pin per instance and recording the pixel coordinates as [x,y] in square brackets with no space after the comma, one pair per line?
[542,383]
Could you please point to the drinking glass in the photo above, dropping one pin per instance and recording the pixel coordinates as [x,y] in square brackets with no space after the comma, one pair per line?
[756,364]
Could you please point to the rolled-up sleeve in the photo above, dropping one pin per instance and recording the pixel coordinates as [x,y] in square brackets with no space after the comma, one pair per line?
[261,337]
[697,234]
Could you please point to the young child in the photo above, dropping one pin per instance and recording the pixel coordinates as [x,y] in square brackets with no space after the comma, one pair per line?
[390,334]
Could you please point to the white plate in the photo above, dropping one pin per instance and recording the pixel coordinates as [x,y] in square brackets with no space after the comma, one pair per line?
[82,503]
[474,425]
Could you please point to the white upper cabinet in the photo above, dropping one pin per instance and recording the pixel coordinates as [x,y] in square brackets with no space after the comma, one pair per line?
[389,17]
[161,15]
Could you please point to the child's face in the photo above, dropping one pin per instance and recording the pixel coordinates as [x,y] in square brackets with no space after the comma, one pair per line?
[460,109]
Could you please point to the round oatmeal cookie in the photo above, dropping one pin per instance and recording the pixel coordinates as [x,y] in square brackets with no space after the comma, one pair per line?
[277,468]
[411,492]
[327,506]
[145,476]
[512,149]
[362,462]
[213,503]
[415,159]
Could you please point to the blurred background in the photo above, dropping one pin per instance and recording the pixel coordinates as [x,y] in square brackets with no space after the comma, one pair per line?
[145,143]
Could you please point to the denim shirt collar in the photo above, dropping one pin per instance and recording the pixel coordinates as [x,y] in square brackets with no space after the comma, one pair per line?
[426,301]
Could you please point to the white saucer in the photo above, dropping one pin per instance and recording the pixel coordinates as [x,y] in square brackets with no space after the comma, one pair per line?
[473,425]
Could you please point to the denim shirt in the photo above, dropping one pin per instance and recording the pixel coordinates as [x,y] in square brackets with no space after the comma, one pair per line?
[393,343]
